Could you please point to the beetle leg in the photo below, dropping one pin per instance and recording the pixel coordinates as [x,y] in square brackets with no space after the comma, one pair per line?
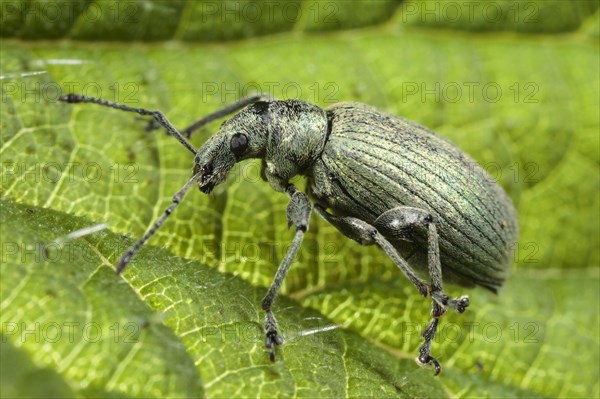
[365,234]
[298,212]
[440,298]
[425,350]
[435,272]
[397,223]
[227,110]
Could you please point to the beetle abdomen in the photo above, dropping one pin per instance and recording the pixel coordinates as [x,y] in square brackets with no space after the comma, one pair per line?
[373,162]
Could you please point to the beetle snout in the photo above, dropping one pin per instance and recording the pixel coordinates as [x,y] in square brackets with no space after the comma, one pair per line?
[206,171]
[213,162]
[205,184]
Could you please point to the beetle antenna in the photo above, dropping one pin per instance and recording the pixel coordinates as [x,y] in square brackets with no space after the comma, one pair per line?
[157,115]
[228,109]
[176,200]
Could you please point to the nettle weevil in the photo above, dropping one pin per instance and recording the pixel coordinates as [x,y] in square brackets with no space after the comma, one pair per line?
[378,178]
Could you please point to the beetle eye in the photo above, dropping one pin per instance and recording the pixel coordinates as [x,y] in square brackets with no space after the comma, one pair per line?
[239,143]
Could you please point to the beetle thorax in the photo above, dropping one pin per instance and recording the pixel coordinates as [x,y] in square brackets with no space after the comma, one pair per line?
[297,132]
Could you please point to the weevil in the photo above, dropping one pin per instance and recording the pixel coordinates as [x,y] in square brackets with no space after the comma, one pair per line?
[378,178]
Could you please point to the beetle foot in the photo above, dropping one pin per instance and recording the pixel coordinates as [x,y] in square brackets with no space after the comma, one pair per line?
[459,304]
[271,341]
[425,359]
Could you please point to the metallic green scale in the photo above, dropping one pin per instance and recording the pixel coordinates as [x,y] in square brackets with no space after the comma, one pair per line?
[373,162]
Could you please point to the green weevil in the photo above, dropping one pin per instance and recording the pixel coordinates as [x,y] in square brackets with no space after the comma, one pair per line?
[378,178]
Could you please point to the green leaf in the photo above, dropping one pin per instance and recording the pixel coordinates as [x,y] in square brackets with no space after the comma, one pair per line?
[208,20]
[182,330]
[185,320]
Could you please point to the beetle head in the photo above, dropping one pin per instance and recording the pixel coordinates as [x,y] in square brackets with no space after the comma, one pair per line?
[241,137]
[214,161]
